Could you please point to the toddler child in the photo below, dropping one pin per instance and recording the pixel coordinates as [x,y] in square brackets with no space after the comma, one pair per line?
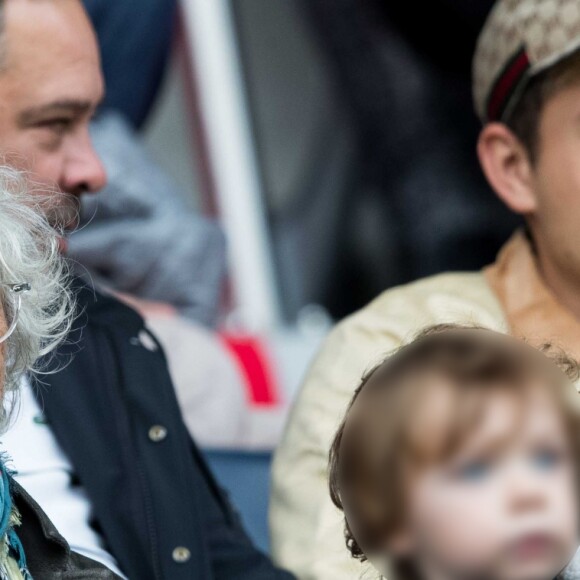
[458,460]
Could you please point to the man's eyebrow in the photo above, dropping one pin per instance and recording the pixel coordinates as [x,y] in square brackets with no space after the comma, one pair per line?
[70,107]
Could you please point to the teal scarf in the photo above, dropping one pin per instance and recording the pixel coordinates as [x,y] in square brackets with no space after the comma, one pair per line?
[11,550]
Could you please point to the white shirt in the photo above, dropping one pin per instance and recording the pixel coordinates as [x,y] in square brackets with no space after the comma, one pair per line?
[46,474]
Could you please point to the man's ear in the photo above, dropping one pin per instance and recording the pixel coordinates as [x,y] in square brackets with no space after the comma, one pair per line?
[507,166]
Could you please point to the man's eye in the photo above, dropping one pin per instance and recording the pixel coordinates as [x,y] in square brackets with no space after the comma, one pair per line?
[58,126]
[474,471]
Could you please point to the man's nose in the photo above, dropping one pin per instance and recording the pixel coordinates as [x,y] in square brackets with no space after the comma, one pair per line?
[83,171]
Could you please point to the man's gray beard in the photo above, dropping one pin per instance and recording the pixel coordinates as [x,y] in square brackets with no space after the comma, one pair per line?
[62,211]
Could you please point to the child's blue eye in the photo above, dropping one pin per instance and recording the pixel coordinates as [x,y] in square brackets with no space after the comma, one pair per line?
[545,460]
[474,471]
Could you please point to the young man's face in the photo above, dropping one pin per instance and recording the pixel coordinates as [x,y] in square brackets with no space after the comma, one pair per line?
[50,86]
[504,506]
[555,177]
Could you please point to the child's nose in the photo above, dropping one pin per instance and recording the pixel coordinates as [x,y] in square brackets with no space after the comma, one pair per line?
[524,490]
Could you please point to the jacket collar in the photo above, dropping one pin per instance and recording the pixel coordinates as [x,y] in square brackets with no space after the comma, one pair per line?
[47,552]
[532,311]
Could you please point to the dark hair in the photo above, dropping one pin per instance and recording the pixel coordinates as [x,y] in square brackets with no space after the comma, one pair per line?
[524,119]
[380,436]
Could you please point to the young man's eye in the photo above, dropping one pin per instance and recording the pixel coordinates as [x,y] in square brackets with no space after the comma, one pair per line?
[473,471]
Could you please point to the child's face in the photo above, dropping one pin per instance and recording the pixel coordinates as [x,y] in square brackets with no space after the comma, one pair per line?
[504,506]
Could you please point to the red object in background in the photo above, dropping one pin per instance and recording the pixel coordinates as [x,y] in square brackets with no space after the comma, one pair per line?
[255,368]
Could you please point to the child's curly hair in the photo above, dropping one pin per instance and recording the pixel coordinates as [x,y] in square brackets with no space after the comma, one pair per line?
[373,441]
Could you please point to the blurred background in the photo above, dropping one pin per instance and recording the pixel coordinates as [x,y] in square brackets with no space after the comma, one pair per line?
[359,118]
[331,141]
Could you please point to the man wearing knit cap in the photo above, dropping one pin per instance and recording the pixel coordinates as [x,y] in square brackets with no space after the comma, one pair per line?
[527,94]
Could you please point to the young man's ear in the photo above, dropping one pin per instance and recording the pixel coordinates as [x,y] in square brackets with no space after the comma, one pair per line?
[507,166]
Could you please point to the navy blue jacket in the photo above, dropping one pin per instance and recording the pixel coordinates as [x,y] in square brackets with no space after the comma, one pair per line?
[149,495]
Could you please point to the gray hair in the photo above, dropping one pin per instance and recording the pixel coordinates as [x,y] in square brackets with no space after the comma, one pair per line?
[29,253]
